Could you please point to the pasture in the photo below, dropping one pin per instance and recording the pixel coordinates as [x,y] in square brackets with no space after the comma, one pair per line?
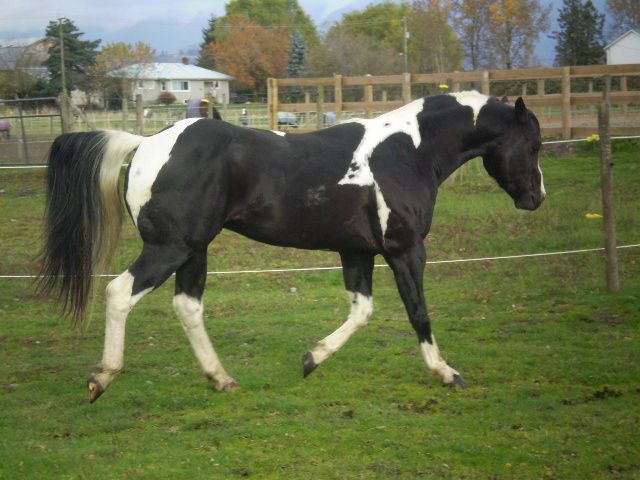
[552,360]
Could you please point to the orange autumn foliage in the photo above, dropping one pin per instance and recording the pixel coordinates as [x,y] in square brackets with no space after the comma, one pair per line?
[250,52]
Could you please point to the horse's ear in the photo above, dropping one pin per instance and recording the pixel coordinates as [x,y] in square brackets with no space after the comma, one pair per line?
[505,99]
[521,111]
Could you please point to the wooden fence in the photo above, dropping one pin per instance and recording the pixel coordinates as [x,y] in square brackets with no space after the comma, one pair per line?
[565,98]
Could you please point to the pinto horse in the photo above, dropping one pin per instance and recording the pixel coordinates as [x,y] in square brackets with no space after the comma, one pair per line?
[361,188]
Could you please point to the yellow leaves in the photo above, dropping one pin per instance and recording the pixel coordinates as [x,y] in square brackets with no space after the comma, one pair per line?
[593,216]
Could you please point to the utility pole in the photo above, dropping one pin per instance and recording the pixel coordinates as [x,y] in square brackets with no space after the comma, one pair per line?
[405,37]
[62,69]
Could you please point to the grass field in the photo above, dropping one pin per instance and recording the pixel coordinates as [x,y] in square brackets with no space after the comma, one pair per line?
[552,359]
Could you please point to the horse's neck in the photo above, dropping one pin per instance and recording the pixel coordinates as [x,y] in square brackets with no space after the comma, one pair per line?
[460,143]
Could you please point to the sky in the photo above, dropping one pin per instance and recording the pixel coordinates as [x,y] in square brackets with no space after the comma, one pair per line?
[169,25]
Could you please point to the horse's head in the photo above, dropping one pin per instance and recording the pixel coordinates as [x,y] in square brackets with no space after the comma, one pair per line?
[512,157]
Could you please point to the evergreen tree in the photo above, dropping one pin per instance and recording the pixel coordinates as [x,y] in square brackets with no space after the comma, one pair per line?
[297,56]
[580,40]
[79,56]
[205,57]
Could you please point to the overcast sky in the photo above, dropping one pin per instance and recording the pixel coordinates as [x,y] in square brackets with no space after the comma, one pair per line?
[168,25]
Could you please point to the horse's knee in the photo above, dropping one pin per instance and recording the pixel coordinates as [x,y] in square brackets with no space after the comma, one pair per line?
[118,293]
[189,310]
[361,308]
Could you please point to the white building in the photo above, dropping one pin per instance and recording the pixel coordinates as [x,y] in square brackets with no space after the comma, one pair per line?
[624,49]
[182,80]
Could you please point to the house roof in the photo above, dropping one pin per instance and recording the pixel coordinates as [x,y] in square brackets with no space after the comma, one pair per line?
[635,32]
[169,71]
[18,53]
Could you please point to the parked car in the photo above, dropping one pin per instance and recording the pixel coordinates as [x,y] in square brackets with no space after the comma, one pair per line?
[238,98]
[287,119]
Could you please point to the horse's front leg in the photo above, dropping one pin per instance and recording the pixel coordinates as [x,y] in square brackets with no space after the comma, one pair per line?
[408,268]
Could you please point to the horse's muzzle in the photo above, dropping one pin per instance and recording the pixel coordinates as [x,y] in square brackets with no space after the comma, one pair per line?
[529,201]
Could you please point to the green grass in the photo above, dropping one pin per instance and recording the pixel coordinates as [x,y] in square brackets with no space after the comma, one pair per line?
[551,357]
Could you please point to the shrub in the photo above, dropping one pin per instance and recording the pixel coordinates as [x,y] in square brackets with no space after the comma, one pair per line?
[166,98]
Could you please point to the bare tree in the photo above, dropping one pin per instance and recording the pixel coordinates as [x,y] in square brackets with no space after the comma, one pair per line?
[350,53]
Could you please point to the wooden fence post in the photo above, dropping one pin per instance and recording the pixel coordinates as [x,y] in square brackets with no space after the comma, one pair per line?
[623,88]
[125,113]
[66,119]
[566,103]
[368,98]
[140,115]
[406,88]
[337,79]
[608,209]
[485,85]
[23,135]
[320,108]
[272,89]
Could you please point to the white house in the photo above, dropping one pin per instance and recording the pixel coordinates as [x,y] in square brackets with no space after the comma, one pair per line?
[624,49]
[183,80]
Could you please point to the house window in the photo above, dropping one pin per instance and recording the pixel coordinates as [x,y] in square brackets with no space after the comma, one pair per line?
[180,86]
[208,84]
[163,86]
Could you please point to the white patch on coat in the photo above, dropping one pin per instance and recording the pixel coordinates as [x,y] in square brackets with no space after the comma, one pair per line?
[278,132]
[190,313]
[151,156]
[361,310]
[435,363]
[473,99]
[376,131]
[544,191]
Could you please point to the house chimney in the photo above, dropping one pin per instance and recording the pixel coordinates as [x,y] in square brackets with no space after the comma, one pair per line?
[185,60]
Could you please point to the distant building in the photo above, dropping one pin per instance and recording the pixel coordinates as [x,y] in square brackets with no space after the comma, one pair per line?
[25,55]
[624,49]
[181,79]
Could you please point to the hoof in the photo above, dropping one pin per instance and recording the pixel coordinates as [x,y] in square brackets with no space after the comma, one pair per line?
[458,381]
[95,389]
[230,386]
[308,365]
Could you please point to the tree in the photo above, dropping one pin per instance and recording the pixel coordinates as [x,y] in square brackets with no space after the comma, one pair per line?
[382,22]
[205,57]
[79,56]
[471,19]
[350,53]
[580,39]
[287,14]
[625,15]
[252,53]
[297,56]
[116,56]
[515,27]
[429,26]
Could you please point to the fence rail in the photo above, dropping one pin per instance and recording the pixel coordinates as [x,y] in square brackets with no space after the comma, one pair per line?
[564,113]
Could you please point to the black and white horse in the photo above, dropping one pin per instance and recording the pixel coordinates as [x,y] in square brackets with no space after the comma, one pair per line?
[362,188]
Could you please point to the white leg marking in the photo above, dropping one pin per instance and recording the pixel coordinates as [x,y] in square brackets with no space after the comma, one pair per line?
[473,99]
[435,363]
[190,313]
[361,310]
[119,304]
[152,154]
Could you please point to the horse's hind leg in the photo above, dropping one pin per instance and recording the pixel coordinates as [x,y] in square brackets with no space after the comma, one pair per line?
[357,269]
[190,281]
[155,264]
[408,269]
